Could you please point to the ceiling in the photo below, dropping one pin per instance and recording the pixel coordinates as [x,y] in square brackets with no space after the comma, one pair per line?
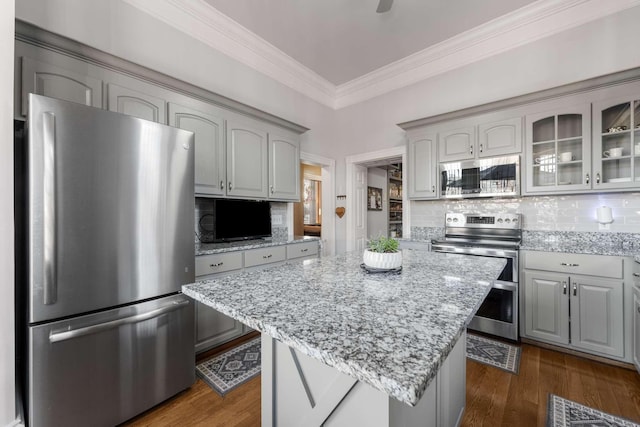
[344,39]
[341,52]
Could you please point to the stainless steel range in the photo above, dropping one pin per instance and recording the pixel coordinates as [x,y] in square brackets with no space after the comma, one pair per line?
[489,235]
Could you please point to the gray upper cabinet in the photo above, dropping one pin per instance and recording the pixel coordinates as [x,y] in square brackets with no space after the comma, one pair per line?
[50,80]
[457,144]
[558,150]
[136,104]
[421,168]
[284,167]
[487,139]
[210,157]
[247,160]
[500,138]
[616,143]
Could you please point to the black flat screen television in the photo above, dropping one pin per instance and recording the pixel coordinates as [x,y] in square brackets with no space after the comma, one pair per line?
[241,220]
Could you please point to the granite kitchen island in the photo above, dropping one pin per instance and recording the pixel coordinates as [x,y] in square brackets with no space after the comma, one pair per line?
[341,346]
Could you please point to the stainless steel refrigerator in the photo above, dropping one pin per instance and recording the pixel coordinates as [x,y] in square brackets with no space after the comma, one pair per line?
[105,242]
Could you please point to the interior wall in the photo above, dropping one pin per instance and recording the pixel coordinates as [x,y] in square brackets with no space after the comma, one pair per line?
[7,325]
[377,221]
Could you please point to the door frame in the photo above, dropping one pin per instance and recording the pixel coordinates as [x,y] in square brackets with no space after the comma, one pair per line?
[328,230]
[363,159]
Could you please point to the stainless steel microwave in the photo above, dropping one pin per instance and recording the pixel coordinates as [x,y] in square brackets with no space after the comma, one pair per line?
[491,177]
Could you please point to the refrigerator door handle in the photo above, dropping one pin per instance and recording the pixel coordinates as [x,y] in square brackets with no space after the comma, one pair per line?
[93,329]
[49,187]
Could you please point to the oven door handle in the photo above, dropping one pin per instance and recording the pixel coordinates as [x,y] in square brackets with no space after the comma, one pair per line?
[507,286]
[491,252]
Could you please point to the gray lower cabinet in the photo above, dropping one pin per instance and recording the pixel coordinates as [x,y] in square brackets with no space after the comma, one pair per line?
[636,316]
[580,311]
[58,82]
[214,328]
[136,104]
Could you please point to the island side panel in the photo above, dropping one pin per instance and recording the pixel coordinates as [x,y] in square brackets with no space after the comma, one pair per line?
[298,390]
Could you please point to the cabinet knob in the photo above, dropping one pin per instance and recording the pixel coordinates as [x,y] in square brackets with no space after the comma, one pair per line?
[564,288]
[230,187]
[598,178]
[575,289]
[221,184]
[587,178]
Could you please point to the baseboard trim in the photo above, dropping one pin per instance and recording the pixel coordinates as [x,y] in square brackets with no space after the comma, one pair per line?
[578,354]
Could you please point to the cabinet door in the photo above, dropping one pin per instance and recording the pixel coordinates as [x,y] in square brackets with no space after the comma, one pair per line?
[210,161]
[616,144]
[500,138]
[214,328]
[422,166]
[597,315]
[136,104]
[558,150]
[546,306]
[284,168]
[636,328]
[49,80]
[246,161]
[457,144]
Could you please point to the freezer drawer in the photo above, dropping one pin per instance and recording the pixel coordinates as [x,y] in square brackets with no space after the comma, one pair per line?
[104,368]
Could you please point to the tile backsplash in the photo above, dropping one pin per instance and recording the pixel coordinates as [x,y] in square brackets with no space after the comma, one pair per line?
[204,220]
[541,213]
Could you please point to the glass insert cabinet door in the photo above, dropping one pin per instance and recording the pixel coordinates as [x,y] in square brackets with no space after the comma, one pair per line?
[616,148]
[558,150]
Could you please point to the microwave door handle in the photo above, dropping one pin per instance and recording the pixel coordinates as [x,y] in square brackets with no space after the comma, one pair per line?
[50,287]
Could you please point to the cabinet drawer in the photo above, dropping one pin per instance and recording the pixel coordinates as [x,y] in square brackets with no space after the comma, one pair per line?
[218,263]
[590,265]
[299,250]
[264,256]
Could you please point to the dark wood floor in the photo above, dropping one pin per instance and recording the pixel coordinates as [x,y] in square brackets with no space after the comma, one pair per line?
[494,397]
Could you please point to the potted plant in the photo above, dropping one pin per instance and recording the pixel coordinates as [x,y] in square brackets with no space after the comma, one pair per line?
[382,253]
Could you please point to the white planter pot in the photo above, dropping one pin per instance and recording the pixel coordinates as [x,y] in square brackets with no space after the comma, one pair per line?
[385,261]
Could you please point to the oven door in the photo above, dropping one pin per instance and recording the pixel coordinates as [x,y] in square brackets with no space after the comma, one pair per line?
[498,314]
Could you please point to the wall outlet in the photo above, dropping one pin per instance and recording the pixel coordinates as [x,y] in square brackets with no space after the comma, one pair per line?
[276,219]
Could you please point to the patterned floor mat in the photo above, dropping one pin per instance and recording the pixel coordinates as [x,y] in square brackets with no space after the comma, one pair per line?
[495,353]
[565,413]
[232,368]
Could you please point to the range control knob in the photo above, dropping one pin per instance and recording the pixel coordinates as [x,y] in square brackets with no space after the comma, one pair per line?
[507,220]
[448,219]
[515,219]
[455,219]
[499,220]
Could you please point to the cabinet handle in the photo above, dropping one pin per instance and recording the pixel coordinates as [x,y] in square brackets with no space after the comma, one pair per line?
[638,308]
[636,274]
[221,184]
[564,288]
[587,178]
[230,187]
[575,290]
[433,188]
[471,149]
[304,250]
[271,189]
[598,178]
[481,148]
[216,265]
[266,256]
[569,264]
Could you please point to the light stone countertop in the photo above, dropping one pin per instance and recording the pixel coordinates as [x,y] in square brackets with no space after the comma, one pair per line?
[242,245]
[389,330]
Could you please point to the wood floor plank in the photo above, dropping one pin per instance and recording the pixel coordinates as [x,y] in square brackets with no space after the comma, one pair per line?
[495,398]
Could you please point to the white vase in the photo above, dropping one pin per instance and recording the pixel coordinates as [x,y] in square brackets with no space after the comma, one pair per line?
[386,261]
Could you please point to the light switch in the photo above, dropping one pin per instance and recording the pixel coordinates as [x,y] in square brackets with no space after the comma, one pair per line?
[276,219]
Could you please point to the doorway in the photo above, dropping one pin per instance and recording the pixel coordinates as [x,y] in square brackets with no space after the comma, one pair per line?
[358,199]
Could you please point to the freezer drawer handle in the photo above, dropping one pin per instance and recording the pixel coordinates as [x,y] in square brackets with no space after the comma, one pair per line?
[94,329]
[50,286]
[636,275]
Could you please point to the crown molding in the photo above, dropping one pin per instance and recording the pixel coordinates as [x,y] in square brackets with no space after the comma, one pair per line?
[525,25]
[203,22]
